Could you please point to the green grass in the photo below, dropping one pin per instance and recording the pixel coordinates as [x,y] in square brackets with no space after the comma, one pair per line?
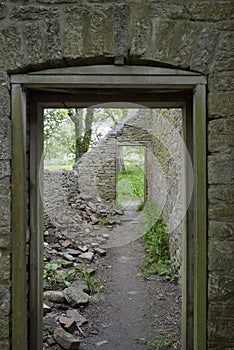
[156,244]
[131,183]
[162,343]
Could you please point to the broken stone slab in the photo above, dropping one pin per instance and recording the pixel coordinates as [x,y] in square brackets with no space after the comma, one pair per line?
[66,340]
[46,309]
[83,249]
[75,297]
[55,296]
[73,252]
[100,251]
[67,256]
[50,324]
[67,323]
[81,285]
[77,317]
[87,257]
[66,243]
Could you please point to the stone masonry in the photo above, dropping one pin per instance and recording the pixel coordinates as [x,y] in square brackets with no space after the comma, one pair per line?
[194,35]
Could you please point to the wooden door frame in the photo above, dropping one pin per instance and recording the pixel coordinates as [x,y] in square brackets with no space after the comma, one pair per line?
[161,87]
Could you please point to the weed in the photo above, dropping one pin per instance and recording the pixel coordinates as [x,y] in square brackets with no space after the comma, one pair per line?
[131,183]
[160,344]
[156,244]
[55,274]
[140,206]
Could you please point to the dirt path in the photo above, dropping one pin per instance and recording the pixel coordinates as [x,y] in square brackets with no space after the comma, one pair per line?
[131,309]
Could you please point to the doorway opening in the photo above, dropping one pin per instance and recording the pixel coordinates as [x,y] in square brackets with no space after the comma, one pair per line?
[131,175]
[154,87]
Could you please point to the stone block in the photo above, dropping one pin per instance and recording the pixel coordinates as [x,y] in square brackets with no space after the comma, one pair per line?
[30,12]
[205,10]
[221,256]
[172,41]
[222,329]
[34,45]
[221,169]
[5,137]
[52,38]
[5,272]
[221,310]
[5,103]
[203,49]
[13,55]
[4,241]
[223,59]
[2,8]
[5,299]
[5,170]
[221,135]
[221,230]
[73,36]
[220,287]
[221,82]
[5,344]
[221,194]
[220,104]
[5,218]
[221,212]
[4,327]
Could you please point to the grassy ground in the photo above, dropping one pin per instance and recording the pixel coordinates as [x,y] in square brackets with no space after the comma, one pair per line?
[131,183]
[58,166]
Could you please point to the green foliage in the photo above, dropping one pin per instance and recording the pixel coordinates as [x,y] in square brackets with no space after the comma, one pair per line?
[162,343]
[131,183]
[156,244]
[93,283]
[60,272]
[141,206]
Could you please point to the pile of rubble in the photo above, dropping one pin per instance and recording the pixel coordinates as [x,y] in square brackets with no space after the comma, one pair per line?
[72,251]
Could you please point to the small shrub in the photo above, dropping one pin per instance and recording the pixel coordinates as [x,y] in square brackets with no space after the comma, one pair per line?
[140,206]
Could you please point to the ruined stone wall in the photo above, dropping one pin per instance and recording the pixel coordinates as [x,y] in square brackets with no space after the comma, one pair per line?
[97,168]
[194,35]
[60,189]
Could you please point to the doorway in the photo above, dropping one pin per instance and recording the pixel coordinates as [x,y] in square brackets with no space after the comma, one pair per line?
[154,87]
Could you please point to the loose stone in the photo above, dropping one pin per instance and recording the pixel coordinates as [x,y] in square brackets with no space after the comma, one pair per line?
[77,317]
[87,257]
[75,297]
[66,340]
[54,296]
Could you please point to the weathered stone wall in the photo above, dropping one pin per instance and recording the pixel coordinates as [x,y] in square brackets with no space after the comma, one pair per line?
[97,168]
[60,190]
[194,35]
[160,131]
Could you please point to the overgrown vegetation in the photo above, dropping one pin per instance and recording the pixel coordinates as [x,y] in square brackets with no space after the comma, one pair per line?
[130,183]
[62,273]
[156,244]
[163,341]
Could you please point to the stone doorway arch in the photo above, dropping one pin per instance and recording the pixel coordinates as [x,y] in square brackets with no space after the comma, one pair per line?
[85,86]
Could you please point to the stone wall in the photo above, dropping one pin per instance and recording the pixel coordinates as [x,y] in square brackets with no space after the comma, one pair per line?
[97,168]
[160,131]
[60,190]
[194,35]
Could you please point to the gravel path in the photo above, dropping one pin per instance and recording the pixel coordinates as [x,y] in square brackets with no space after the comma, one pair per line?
[131,309]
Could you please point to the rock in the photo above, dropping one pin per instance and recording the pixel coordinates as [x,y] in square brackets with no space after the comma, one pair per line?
[81,285]
[100,251]
[51,239]
[73,252]
[87,257]
[75,296]
[68,323]
[46,309]
[102,342]
[68,257]
[54,296]
[106,235]
[78,318]
[83,249]
[66,340]
[66,243]
[50,324]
